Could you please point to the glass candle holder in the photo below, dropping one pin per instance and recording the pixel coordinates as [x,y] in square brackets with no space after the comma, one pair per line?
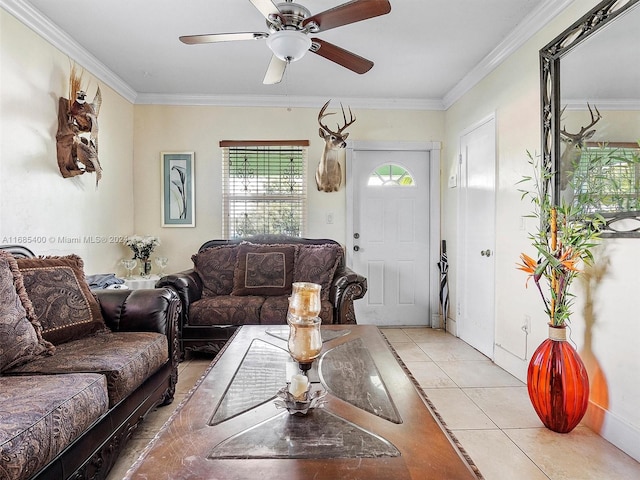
[305,340]
[305,299]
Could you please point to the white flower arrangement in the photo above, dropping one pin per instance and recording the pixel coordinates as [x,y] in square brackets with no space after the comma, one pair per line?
[142,246]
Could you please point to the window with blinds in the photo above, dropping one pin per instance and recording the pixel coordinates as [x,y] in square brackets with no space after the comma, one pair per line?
[607,177]
[264,188]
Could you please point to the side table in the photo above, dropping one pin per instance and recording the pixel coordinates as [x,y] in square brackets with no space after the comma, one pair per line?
[137,282]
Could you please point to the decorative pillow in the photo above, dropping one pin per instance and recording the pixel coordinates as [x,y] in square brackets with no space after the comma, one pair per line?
[20,341]
[61,298]
[216,266]
[264,269]
[318,264]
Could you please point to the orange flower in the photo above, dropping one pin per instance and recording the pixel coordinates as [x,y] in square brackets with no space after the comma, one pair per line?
[528,265]
[568,260]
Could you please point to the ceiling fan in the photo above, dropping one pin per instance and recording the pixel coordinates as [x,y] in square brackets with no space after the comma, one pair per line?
[290,24]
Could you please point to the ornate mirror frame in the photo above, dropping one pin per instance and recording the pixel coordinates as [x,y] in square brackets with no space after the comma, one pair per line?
[592,22]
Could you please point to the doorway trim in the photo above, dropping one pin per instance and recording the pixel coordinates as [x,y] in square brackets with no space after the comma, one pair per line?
[433,149]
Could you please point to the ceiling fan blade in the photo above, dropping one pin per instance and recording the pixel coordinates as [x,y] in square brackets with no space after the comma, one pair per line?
[343,57]
[221,37]
[266,7]
[349,12]
[275,71]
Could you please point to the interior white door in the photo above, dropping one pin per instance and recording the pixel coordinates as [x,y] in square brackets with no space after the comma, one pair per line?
[476,266]
[390,235]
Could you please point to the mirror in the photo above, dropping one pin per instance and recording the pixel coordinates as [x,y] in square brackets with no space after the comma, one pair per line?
[590,95]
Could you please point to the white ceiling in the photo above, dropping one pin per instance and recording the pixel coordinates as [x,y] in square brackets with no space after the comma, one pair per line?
[426,52]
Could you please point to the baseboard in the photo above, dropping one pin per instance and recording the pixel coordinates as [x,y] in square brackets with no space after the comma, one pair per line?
[508,361]
[452,327]
[613,429]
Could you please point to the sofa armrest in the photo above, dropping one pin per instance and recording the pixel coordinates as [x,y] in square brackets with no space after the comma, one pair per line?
[188,286]
[146,310]
[346,287]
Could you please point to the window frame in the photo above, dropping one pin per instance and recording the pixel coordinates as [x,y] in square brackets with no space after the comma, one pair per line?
[261,199]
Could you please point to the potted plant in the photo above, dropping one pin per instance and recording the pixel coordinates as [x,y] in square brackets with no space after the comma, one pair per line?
[557,379]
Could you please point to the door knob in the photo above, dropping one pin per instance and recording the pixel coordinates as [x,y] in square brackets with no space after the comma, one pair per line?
[485,253]
[356,248]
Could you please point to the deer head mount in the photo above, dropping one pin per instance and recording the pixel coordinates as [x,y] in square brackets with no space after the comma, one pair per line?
[329,172]
[573,146]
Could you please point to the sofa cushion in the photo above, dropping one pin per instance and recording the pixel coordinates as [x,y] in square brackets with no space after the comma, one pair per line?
[42,414]
[226,310]
[126,358]
[274,311]
[264,270]
[318,264]
[20,341]
[216,266]
[61,298]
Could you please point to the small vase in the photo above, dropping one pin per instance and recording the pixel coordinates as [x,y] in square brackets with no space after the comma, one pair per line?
[145,270]
[557,382]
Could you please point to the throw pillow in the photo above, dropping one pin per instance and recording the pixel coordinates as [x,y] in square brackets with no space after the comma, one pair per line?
[264,270]
[216,266]
[318,264]
[61,298]
[20,341]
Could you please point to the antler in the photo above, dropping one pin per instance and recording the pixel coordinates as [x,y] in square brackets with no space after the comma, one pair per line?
[594,119]
[321,115]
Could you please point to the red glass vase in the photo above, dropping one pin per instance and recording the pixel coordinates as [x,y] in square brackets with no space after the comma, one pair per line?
[558,383]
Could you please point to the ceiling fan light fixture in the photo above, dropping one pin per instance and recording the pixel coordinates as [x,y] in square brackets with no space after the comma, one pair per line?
[289,45]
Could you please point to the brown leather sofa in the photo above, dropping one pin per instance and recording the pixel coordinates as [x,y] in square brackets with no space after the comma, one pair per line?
[216,297]
[68,413]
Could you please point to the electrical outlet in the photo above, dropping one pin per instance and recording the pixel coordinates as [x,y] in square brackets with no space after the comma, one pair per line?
[526,325]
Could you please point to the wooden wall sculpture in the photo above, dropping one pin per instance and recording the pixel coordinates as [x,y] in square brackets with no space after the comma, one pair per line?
[77,137]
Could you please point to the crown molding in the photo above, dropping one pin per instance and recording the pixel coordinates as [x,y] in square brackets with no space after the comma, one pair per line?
[41,25]
[614,104]
[530,25]
[48,30]
[285,101]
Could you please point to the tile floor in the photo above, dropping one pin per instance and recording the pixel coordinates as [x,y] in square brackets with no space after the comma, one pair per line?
[486,408]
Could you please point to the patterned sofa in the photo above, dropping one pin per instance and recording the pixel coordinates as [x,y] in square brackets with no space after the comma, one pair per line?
[78,370]
[248,281]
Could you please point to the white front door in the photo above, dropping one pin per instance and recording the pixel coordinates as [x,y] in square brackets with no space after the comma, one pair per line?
[476,227]
[389,197]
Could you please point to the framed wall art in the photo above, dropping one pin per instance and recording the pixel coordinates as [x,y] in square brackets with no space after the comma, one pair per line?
[178,195]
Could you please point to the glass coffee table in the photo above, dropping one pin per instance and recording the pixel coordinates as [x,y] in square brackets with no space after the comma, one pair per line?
[373,424]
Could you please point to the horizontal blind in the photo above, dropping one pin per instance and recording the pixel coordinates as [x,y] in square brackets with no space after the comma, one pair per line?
[608,177]
[264,188]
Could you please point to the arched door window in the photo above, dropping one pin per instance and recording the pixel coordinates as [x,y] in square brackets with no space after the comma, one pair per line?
[391,175]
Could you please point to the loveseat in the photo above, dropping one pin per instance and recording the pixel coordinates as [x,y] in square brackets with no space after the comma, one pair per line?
[79,370]
[248,281]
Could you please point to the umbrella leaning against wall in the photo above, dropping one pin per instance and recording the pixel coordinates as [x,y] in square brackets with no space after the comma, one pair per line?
[443,265]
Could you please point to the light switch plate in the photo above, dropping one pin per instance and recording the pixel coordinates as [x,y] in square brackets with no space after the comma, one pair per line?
[453,180]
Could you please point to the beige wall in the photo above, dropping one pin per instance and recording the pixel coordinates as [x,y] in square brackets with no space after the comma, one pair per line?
[199,129]
[605,332]
[39,208]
